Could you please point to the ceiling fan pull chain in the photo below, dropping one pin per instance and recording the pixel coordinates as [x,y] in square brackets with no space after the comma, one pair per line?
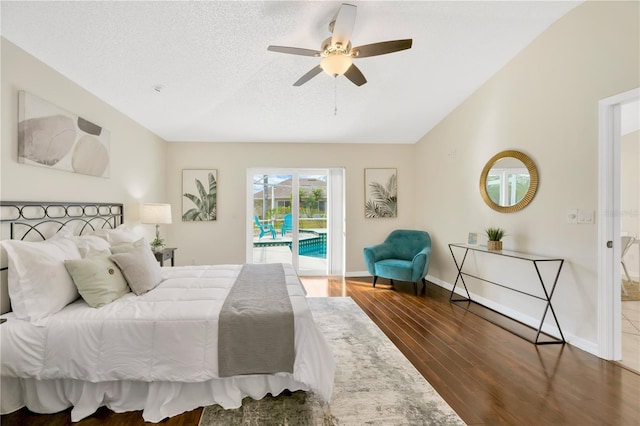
[335,95]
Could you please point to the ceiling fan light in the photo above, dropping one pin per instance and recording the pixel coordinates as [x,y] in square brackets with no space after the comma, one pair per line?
[336,64]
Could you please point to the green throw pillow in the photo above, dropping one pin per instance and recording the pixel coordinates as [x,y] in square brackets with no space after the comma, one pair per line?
[98,279]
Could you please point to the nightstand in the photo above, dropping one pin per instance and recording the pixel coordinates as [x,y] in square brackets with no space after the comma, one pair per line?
[165,254]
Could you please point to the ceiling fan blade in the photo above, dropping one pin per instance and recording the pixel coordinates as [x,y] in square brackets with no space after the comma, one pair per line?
[308,76]
[294,50]
[381,48]
[355,75]
[343,26]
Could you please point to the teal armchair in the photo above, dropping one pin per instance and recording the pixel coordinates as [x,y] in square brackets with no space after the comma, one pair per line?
[404,256]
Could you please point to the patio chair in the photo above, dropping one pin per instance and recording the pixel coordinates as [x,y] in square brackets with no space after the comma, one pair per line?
[266,228]
[287,223]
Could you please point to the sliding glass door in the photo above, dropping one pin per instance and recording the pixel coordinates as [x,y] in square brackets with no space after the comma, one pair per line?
[291,216]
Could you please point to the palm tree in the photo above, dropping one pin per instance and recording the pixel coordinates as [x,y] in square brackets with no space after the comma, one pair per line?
[384,201]
[205,204]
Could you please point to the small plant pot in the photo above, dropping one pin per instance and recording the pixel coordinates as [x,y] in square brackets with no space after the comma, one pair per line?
[494,245]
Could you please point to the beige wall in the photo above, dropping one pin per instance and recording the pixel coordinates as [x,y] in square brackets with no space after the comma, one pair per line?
[544,103]
[137,155]
[223,241]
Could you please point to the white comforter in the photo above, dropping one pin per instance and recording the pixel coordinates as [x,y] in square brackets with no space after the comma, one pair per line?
[166,335]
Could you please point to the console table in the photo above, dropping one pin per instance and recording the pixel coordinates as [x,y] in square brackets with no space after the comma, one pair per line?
[531,334]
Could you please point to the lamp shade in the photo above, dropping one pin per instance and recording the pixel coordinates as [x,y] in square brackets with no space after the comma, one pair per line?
[336,64]
[156,213]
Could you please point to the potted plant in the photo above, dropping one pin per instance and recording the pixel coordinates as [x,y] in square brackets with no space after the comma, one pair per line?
[158,244]
[495,238]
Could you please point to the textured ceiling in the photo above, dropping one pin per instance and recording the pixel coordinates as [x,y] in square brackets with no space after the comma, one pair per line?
[220,83]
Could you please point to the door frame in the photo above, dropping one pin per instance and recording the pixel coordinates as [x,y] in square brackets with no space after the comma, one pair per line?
[609,293]
[335,210]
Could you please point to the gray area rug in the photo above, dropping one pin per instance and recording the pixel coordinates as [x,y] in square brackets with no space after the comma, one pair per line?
[374,385]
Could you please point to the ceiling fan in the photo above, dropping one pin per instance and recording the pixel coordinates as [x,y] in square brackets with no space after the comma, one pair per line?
[336,51]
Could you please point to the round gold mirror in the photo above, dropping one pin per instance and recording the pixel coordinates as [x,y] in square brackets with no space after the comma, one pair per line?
[509,181]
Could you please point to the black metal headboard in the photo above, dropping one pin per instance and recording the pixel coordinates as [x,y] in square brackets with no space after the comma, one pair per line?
[38,220]
[42,219]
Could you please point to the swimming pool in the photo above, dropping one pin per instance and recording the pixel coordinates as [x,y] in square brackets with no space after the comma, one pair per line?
[314,245]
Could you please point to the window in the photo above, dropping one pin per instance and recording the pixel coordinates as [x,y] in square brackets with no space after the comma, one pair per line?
[507,186]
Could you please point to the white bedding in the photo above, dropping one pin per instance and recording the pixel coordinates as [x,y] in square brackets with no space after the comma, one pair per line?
[156,352]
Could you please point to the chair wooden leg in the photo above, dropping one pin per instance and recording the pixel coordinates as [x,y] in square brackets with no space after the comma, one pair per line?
[375,278]
[392,285]
[424,284]
[415,288]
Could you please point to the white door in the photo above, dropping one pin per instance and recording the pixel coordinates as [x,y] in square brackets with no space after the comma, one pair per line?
[296,216]
[609,230]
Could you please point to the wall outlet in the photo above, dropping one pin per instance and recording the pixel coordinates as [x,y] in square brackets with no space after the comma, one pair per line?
[572,216]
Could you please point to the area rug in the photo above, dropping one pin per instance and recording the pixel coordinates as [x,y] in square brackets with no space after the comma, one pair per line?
[374,384]
[633,291]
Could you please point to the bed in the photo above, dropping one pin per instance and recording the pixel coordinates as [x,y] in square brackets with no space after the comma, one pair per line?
[169,349]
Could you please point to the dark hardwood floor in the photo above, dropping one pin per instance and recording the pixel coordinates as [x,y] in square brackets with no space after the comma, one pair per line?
[488,375]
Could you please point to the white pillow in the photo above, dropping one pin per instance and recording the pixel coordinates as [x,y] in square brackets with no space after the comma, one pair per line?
[39,284]
[97,278]
[125,247]
[63,233]
[119,235]
[88,244]
[140,269]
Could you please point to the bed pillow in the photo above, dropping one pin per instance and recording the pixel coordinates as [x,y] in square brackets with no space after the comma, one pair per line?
[90,244]
[98,279]
[86,244]
[140,269]
[39,284]
[119,235]
[125,247]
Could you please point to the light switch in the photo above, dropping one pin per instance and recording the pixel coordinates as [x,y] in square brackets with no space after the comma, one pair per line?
[572,216]
[585,216]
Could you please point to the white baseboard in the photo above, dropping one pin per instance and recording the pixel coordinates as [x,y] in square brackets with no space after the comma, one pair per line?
[357,274]
[580,343]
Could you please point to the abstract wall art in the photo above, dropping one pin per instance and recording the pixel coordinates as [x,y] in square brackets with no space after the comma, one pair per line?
[49,136]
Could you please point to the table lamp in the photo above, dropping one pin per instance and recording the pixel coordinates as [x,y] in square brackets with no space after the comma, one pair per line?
[156,214]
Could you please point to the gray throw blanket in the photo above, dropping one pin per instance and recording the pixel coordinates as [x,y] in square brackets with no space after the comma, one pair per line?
[256,325]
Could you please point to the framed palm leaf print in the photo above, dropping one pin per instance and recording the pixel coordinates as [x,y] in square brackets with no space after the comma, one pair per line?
[381,193]
[199,195]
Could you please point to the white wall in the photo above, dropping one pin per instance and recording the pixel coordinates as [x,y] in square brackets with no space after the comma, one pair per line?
[137,155]
[222,241]
[544,103]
